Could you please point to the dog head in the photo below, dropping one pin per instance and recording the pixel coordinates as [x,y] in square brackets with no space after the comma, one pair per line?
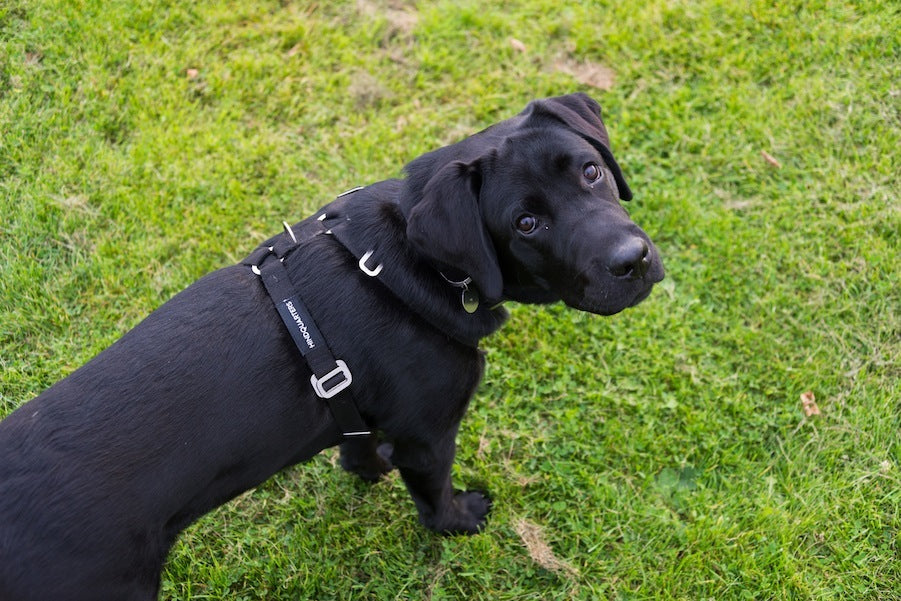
[529,208]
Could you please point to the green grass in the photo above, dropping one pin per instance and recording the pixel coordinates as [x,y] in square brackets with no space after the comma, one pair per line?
[663,452]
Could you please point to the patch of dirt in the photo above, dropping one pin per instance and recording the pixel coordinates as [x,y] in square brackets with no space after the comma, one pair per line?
[366,90]
[587,72]
[401,17]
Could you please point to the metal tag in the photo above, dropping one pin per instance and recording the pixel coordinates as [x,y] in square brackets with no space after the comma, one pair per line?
[470,300]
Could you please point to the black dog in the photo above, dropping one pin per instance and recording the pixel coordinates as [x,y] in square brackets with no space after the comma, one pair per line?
[209,396]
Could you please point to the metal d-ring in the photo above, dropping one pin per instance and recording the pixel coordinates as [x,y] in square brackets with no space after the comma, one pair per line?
[370,272]
[256,269]
[351,191]
[289,231]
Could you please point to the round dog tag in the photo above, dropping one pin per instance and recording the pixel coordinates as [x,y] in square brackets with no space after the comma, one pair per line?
[470,300]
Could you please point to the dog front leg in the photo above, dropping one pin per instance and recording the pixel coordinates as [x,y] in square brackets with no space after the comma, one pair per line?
[366,458]
[426,470]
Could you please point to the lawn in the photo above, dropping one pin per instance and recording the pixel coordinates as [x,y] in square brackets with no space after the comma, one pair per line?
[662,453]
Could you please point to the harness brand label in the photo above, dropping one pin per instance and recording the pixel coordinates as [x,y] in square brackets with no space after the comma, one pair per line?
[300,325]
[304,331]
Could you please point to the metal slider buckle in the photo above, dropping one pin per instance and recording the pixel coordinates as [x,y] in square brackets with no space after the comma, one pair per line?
[371,272]
[332,390]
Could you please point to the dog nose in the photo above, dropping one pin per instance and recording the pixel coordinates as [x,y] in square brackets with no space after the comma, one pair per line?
[631,259]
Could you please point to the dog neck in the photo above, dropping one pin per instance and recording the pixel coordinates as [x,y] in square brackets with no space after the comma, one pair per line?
[369,224]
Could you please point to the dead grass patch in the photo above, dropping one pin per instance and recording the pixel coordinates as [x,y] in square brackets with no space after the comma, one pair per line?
[540,551]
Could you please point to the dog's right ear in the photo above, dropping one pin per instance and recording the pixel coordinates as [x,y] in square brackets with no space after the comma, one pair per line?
[581,113]
[445,224]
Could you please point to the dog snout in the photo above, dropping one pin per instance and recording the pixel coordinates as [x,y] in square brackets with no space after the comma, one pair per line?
[631,260]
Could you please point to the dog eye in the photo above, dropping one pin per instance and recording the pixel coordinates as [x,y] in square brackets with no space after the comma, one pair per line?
[526,223]
[592,172]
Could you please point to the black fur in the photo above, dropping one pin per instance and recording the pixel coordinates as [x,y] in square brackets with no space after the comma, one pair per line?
[208,397]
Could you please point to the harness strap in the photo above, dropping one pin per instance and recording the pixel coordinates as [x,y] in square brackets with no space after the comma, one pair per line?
[331,377]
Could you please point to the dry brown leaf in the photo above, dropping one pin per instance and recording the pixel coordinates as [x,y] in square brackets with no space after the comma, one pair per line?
[809,403]
[517,45]
[295,49]
[770,159]
[540,552]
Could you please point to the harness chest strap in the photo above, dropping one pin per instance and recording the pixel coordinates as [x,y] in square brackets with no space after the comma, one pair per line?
[331,377]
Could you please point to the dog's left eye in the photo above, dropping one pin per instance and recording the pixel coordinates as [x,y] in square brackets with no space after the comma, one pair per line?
[592,172]
[526,223]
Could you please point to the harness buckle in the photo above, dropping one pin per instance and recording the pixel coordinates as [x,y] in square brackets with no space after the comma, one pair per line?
[333,389]
[370,271]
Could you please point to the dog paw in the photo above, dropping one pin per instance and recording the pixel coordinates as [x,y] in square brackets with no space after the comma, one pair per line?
[466,515]
[477,504]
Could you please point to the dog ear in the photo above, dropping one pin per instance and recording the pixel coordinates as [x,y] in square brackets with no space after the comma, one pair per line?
[582,114]
[446,226]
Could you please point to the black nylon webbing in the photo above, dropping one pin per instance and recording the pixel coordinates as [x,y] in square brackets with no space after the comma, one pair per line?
[330,373]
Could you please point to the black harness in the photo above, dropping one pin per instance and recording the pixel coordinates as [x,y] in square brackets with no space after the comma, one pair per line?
[331,377]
